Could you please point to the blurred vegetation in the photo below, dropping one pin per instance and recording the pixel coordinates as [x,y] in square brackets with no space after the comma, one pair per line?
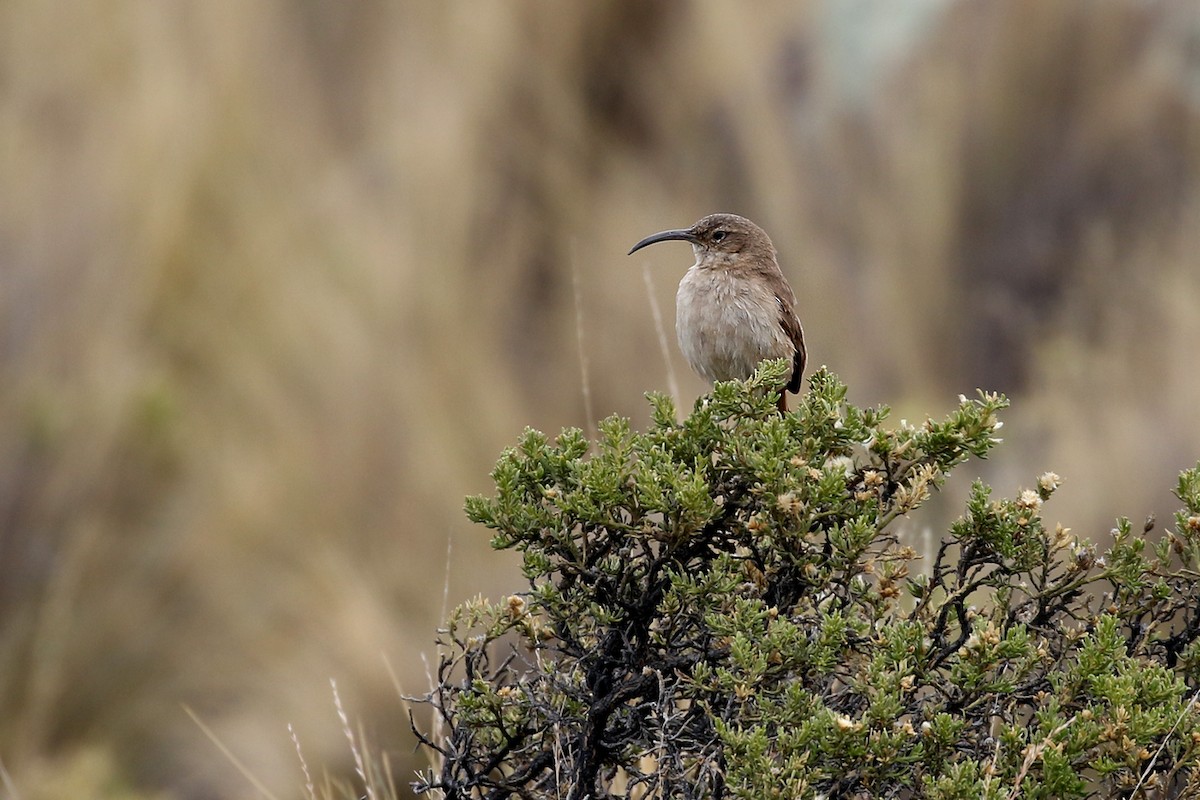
[278,280]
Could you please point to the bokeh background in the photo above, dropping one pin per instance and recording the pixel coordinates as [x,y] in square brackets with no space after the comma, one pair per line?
[278,280]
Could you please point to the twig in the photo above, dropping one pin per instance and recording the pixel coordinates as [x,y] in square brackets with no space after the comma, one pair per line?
[446,580]
[9,786]
[588,411]
[225,751]
[656,313]
[1167,738]
[1034,752]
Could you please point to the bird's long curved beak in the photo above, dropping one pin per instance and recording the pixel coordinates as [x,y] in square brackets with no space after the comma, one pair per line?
[684,234]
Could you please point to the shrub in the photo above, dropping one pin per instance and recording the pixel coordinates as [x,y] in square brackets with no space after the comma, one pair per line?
[720,607]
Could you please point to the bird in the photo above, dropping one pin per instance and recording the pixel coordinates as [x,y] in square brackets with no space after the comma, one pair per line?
[734,307]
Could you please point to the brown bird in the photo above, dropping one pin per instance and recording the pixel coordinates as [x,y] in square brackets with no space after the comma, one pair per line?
[734,308]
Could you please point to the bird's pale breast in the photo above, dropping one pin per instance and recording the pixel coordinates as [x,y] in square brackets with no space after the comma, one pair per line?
[723,330]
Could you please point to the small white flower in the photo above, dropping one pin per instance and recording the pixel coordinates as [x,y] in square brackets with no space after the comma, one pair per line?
[842,463]
[1029,499]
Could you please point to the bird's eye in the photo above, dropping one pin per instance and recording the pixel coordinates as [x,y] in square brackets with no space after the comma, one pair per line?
[718,236]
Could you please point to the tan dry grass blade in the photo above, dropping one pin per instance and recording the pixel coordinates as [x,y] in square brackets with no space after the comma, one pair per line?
[229,756]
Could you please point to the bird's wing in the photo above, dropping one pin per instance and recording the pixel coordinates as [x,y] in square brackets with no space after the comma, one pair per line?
[795,331]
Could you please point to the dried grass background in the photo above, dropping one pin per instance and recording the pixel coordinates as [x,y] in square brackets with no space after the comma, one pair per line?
[279,280]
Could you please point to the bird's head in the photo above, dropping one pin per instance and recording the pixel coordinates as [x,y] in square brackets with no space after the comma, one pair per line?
[720,240]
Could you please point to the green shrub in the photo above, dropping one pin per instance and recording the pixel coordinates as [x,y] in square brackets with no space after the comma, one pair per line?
[719,607]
